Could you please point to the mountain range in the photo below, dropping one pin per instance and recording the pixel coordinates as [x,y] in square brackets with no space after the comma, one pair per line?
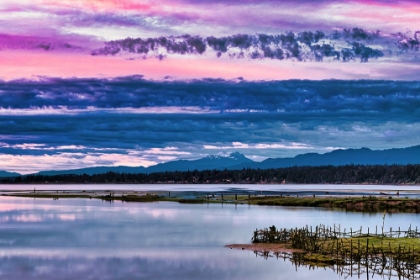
[363,156]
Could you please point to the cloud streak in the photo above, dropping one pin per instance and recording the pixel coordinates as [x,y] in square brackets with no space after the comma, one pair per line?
[135,95]
[355,44]
[303,46]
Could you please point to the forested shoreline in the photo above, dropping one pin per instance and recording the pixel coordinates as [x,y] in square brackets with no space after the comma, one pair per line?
[348,174]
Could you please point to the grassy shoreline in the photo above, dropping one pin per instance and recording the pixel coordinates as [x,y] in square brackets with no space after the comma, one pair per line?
[352,203]
[358,204]
[354,248]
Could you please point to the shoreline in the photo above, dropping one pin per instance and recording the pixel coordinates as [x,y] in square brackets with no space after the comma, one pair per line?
[220,183]
[264,247]
[355,203]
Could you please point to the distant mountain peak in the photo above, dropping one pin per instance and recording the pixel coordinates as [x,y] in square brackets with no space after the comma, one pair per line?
[237,156]
[8,174]
[213,157]
[236,160]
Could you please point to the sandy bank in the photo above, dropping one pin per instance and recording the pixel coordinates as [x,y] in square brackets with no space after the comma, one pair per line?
[261,247]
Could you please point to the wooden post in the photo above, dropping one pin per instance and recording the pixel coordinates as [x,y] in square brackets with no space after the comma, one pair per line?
[337,248]
[367,259]
[236,196]
[367,249]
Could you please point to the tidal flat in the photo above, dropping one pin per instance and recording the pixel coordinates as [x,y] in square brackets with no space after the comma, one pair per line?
[374,202]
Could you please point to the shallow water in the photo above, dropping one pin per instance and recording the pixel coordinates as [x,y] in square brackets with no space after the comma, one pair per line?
[309,189]
[94,239]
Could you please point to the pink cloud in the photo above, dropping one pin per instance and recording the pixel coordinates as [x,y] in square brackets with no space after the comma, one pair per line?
[32,64]
[48,42]
[98,5]
[26,164]
[397,16]
[178,17]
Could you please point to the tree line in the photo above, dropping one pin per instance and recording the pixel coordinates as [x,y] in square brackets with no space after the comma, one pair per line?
[347,174]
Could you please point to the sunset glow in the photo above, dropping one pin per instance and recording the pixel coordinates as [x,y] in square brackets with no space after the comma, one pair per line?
[105,82]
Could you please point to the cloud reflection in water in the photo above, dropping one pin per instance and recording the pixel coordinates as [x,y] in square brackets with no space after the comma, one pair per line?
[93,239]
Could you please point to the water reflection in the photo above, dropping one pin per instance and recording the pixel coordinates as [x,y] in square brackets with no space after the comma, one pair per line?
[94,239]
[134,268]
[382,268]
[307,189]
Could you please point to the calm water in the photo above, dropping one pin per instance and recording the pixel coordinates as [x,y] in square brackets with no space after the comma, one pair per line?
[93,239]
[309,189]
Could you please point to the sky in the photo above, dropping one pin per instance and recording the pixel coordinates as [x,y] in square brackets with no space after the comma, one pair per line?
[136,83]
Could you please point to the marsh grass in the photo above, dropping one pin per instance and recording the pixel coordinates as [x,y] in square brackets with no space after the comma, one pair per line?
[330,245]
[131,198]
[370,204]
[359,204]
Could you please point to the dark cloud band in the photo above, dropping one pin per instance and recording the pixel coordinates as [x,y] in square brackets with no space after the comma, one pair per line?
[294,97]
[344,45]
[302,46]
[319,113]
